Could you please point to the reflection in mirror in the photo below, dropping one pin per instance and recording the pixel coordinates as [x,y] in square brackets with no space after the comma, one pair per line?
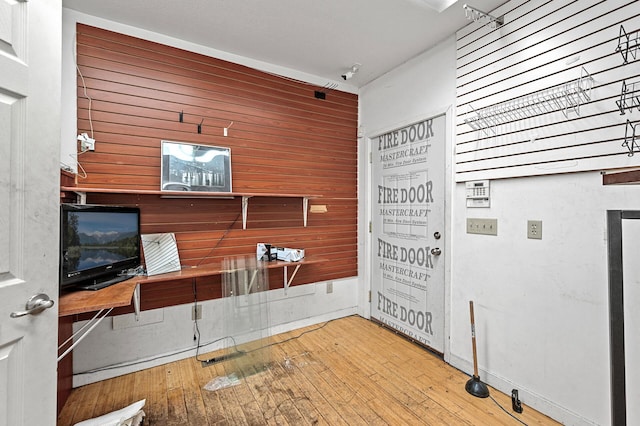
[189,167]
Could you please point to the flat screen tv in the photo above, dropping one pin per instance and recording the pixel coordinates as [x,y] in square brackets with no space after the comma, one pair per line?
[98,245]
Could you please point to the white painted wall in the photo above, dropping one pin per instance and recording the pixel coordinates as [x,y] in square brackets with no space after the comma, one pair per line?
[540,305]
[121,345]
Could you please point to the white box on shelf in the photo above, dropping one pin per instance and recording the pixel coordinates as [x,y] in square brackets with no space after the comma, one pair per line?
[289,254]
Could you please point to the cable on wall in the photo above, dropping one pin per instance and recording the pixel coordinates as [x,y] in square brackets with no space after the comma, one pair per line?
[86,95]
[220,240]
[87,143]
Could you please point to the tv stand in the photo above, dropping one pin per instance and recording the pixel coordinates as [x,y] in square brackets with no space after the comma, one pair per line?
[98,285]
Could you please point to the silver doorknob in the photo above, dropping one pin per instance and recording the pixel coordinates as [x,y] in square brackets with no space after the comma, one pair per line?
[436,251]
[35,305]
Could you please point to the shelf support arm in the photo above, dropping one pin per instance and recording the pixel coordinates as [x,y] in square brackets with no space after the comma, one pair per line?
[90,325]
[245,207]
[136,301]
[287,282]
[81,197]
[305,209]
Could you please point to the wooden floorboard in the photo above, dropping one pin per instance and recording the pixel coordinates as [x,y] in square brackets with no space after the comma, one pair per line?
[349,371]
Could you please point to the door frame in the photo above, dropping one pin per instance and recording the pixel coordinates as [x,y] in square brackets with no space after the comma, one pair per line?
[365,298]
[616,313]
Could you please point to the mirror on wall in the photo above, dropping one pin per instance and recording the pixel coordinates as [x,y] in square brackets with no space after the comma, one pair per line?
[190,167]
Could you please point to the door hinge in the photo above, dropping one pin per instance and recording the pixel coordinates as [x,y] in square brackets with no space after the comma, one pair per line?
[369,296]
[370,157]
[370,227]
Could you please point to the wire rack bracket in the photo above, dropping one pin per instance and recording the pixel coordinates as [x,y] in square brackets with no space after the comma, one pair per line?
[629,97]
[631,137]
[566,97]
[628,44]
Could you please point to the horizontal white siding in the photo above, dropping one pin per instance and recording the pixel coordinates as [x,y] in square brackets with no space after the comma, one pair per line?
[544,44]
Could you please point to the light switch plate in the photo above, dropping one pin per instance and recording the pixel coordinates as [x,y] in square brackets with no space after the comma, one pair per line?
[482,226]
[534,229]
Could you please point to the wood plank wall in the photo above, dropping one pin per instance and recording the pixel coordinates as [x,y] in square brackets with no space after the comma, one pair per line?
[543,44]
[283,140]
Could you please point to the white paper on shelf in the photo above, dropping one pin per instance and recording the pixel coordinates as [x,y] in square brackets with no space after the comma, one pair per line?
[160,253]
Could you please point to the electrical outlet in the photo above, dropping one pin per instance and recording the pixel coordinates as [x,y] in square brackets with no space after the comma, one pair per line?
[89,145]
[329,287]
[482,226]
[86,143]
[196,312]
[534,229]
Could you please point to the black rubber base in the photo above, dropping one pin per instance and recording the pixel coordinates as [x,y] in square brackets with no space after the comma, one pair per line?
[476,388]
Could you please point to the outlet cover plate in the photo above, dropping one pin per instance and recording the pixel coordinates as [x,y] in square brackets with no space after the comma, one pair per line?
[196,312]
[534,229]
[482,226]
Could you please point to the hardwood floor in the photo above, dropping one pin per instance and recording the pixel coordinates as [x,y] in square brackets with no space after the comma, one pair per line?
[347,371]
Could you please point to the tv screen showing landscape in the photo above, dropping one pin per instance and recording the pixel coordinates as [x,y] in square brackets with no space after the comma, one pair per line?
[98,241]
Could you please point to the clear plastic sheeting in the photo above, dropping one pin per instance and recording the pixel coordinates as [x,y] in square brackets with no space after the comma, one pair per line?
[245,282]
[222,382]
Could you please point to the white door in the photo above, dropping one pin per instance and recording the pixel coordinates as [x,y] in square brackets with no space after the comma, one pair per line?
[30,61]
[408,194]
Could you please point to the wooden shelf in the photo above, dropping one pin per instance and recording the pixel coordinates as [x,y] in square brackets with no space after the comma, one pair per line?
[217,269]
[80,302]
[124,293]
[83,191]
[181,194]
[629,177]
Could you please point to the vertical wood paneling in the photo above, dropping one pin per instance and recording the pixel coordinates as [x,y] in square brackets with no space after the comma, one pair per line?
[282,140]
[65,365]
[544,44]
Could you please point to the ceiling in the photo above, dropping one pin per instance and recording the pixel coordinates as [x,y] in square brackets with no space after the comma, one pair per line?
[323,38]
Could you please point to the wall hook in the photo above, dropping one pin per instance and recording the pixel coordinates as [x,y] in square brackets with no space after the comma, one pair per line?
[200,126]
[181,116]
[226,129]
